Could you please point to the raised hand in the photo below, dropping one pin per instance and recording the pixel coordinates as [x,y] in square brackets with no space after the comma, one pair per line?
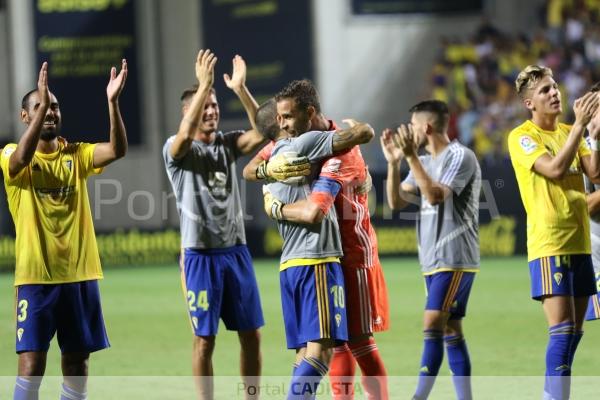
[43,91]
[116,82]
[594,124]
[238,76]
[585,107]
[406,140]
[390,146]
[205,68]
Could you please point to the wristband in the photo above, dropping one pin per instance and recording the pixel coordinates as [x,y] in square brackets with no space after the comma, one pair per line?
[261,171]
[594,144]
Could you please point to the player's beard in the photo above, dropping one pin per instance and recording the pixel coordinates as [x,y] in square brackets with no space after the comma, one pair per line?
[48,135]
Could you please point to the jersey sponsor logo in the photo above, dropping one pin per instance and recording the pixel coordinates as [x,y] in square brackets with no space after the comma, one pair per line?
[20,333]
[527,144]
[558,278]
[57,193]
[332,166]
[195,322]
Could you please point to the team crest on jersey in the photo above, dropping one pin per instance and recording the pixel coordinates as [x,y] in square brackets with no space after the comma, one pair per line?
[558,278]
[527,144]
[332,166]
[20,332]
[69,164]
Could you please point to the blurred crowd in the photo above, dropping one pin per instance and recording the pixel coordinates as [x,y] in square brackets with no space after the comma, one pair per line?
[475,76]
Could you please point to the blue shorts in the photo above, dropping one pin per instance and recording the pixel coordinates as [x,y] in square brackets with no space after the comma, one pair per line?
[569,275]
[593,310]
[220,283]
[71,310]
[313,300]
[449,292]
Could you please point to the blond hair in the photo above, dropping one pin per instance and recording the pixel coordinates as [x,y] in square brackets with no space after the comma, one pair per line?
[530,77]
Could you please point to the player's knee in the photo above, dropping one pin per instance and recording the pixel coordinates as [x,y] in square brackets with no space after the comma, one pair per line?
[249,339]
[453,328]
[435,320]
[32,364]
[75,364]
[204,346]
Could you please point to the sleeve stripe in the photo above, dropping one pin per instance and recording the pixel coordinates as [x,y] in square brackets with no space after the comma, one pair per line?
[458,155]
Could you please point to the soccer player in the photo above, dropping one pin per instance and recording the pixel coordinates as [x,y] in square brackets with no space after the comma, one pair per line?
[593,202]
[447,182]
[549,159]
[57,262]
[217,273]
[367,302]
[312,284]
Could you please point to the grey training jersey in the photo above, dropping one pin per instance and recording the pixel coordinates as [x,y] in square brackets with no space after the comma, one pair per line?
[205,185]
[303,240]
[448,233]
[594,227]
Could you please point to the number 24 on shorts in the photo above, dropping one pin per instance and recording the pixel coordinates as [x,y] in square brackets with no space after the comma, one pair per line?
[201,302]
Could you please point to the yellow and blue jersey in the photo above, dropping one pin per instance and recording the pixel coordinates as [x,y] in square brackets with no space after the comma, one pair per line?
[49,204]
[557,215]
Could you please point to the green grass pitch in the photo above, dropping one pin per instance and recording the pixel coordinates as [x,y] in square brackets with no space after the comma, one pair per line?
[150,333]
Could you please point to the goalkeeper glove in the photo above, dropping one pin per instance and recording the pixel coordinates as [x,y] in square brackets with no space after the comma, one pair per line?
[286,167]
[273,207]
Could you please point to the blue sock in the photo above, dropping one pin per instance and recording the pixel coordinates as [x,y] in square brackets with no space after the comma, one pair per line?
[576,339]
[306,379]
[558,358]
[460,365]
[431,360]
[68,393]
[27,388]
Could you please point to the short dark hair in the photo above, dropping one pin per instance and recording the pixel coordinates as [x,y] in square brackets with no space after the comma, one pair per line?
[266,119]
[303,92]
[25,100]
[189,92]
[438,109]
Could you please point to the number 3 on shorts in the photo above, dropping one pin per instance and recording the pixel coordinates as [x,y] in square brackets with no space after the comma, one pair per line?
[22,310]
[202,302]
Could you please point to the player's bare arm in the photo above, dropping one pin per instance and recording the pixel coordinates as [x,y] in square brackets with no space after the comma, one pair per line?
[190,123]
[591,164]
[357,133]
[593,202]
[398,194]
[250,170]
[557,167]
[25,150]
[106,153]
[433,191]
[249,141]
